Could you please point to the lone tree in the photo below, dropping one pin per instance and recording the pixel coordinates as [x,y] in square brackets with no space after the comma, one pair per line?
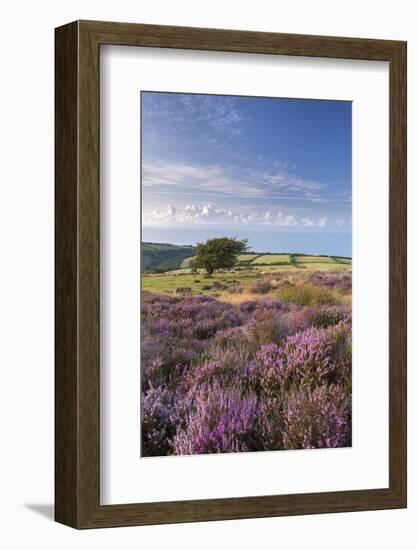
[219,254]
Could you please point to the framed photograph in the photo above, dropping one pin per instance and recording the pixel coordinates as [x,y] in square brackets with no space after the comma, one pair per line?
[230,274]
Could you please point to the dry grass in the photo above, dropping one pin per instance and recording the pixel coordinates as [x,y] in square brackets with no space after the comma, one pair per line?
[308,295]
[186,262]
[237,299]
[290,286]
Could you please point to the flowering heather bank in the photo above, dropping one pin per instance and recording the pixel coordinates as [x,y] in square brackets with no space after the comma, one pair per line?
[260,376]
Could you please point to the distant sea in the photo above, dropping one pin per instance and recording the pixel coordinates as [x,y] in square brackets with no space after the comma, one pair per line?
[263,238]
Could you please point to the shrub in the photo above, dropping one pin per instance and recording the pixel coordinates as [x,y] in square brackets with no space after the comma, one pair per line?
[159,421]
[342,342]
[235,289]
[262,287]
[164,360]
[183,290]
[266,374]
[310,356]
[270,423]
[220,422]
[210,372]
[266,327]
[317,418]
[307,295]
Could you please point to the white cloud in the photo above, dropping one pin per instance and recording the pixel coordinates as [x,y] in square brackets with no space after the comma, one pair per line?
[308,222]
[210,214]
[203,181]
[220,113]
[199,180]
[281,219]
[219,116]
[191,213]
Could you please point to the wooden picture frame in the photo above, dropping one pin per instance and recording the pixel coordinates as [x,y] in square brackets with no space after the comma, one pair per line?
[77,382]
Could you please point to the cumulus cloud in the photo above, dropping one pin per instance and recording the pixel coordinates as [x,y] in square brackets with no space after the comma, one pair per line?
[192,214]
[280,219]
[309,222]
[210,214]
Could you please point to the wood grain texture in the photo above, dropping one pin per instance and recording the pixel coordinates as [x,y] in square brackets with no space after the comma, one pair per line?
[78,284]
[66,237]
[398,273]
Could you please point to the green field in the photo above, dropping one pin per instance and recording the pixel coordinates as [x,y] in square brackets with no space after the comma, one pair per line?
[279,262]
[346,261]
[168,263]
[314,259]
[326,266]
[167,270]
[247,257]
[278,267]
[163,256]
[171,281]
[293,285]
[272,259]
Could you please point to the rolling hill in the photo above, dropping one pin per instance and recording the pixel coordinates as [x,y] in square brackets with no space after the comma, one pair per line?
[164,257]
[170,257]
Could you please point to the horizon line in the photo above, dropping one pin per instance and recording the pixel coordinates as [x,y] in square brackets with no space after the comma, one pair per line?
[285,252]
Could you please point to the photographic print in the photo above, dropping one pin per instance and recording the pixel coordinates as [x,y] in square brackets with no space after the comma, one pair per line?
[246,274]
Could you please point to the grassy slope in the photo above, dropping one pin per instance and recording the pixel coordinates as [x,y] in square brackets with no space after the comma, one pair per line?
[314,259]
[169,282]
[168,257]
[283,260]
[272,259]
[164,256]
[172,281]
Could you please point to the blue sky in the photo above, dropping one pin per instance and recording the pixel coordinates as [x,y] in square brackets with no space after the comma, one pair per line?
[275,171]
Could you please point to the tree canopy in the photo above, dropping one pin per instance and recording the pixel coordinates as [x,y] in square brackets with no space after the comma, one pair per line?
[221,253]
